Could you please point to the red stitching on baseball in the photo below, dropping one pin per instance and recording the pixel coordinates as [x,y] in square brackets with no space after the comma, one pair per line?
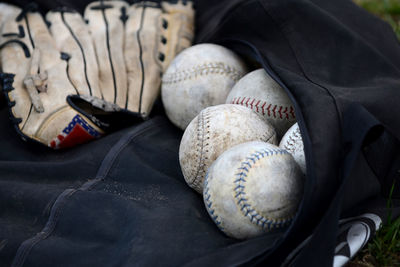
[257,105]
[292,112]
[269,110]
[263,111]
[251,104]
[275,111]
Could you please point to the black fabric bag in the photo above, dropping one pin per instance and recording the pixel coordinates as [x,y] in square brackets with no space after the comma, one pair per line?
[122,200]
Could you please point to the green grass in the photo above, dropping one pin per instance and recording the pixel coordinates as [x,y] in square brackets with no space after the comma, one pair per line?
[388,10]
[384,248]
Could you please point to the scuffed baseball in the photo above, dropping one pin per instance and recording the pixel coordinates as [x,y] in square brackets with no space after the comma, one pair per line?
[293,143]
[258,91]
[212,132]
[253,188]
[199,77]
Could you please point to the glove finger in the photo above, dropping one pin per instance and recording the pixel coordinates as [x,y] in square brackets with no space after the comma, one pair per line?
[106,20]
[154,34]
[71,35]
[177,31]
[16,54]
[141,55]
[7,12]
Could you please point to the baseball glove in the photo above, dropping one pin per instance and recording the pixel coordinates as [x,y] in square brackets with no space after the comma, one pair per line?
[68,79]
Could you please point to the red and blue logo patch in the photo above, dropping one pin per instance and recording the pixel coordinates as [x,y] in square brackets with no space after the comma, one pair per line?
[77,132]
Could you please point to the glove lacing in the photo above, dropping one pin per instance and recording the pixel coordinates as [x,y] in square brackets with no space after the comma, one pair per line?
[35,81]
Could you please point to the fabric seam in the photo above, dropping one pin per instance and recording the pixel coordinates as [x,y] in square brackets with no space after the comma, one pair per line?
[57,207]
[284,34]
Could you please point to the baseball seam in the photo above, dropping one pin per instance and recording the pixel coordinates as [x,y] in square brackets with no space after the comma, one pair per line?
[240,192]
[202,138]
[267,138]
[266,109]
[292,140]
[209,204]
[200,70]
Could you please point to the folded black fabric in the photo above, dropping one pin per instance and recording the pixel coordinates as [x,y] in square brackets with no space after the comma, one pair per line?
[122,200]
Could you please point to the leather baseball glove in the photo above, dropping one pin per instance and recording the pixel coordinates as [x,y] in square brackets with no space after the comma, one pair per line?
[70,79]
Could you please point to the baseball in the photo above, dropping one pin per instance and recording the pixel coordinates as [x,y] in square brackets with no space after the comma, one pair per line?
[199,77]
[293,143]
[212,132]
[253,188]
[258,91]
